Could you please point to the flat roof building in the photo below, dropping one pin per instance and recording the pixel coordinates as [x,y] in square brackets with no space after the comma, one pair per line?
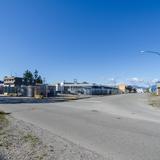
[13,81]
[85,88]
[12,85]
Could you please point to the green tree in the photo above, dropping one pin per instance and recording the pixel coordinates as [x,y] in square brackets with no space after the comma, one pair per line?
[39,80]
[32,78]
[28,78]
[37,77]
[36,74]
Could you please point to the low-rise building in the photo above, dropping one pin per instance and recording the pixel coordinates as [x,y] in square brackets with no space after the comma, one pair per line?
[1,87]
[12,85]
[85,88]
[16,86]
[155,89]
[13,81]
[140,90]
[158,88]
[122,88]
[44,90]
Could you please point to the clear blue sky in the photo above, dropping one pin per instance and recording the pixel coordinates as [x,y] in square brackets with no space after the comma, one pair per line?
[90,40]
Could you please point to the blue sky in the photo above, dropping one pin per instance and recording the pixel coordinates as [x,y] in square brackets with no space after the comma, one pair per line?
[90,40]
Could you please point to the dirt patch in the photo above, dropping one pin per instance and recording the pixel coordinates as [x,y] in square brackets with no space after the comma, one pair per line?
[154,101]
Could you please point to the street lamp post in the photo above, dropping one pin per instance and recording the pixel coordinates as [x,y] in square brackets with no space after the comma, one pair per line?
[150,52]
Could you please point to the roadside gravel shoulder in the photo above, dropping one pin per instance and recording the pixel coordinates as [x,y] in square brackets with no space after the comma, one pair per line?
[20,140]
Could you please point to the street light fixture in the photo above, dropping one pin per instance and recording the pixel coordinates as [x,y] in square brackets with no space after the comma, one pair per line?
[150,52]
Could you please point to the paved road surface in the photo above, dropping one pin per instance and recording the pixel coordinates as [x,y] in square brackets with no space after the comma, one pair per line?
[121,127]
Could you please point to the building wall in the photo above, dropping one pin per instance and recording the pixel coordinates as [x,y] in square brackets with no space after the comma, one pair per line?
[12,85]
[158,89]
[88,89]
[122,88]
[13,81]
[51,91]
[1,89]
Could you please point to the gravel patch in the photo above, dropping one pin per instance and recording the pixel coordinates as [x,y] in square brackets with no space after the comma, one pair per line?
[23,141]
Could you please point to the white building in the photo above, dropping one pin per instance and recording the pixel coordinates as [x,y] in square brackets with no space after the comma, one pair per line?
[85,88]
[139,90]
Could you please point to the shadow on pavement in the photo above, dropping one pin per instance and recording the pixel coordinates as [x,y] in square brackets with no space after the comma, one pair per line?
[17,100]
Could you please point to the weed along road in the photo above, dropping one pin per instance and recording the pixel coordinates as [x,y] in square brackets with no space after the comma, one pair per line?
[121,127]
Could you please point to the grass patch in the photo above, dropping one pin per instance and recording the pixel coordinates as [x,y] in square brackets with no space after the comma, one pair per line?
[4,123]
[5,141]
[3,120]
[41,157]
[33,140]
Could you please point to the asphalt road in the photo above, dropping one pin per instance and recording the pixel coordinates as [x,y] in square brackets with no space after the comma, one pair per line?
[121,127]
